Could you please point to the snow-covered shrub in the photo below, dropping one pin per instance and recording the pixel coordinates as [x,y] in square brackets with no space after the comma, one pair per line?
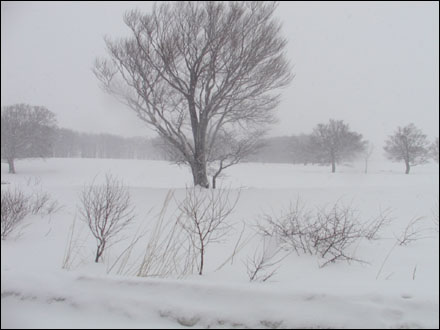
[329,233]
[204,217]
[291,228]
[15,207]
[334,231]
[18,203]
[107,210]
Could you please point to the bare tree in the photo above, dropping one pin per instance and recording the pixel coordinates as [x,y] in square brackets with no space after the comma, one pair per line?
[369,148]
[408,144]
[107,211]
[204,216]
[334,142]
[26,131]
[193,69]
[434,150]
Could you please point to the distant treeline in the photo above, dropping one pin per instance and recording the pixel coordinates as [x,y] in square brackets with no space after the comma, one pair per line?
[72,144]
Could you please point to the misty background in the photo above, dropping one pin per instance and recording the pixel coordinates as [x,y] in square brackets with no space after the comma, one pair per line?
[373,65]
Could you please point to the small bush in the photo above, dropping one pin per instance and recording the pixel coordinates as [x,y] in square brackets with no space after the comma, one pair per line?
[107,210]
[15,207]
[204,217]
[329,233]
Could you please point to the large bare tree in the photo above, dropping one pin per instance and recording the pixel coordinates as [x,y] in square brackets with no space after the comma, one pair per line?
[193,69]
[407,144]
[26,131]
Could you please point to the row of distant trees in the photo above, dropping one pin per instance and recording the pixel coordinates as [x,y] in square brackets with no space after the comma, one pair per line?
[31,131]
[334,143]
[71,144]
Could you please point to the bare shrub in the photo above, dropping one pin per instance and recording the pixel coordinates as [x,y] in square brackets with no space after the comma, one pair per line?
[107,211]
[291,228]
[204,215]
[14,208]
[329,233]
[18,203]
[334,232]
[265,261]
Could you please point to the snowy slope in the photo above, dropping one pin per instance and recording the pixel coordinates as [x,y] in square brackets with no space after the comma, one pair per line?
[399,292]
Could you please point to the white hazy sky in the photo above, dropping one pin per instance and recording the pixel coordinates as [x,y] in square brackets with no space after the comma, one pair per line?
[374,65]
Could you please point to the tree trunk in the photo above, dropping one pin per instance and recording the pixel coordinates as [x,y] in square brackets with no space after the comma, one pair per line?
[213,181]
[366,166]
[333,167]
[202,255]
[199,174]
[11,166]
[407,167]
[99,251]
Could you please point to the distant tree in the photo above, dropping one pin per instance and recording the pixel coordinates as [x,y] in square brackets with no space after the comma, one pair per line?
[193,69]
[407,144]
[434,150]
[26,131]
[333,142]
[369,148]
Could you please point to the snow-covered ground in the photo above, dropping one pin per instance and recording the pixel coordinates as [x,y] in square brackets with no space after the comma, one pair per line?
[396,287]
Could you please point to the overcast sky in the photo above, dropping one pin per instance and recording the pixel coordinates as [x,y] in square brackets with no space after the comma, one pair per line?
[374,65]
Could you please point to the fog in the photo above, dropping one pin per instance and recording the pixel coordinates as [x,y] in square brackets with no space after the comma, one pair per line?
[373,65]
[278,185]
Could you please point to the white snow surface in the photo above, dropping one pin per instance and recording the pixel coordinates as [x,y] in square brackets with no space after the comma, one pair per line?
[37,293]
